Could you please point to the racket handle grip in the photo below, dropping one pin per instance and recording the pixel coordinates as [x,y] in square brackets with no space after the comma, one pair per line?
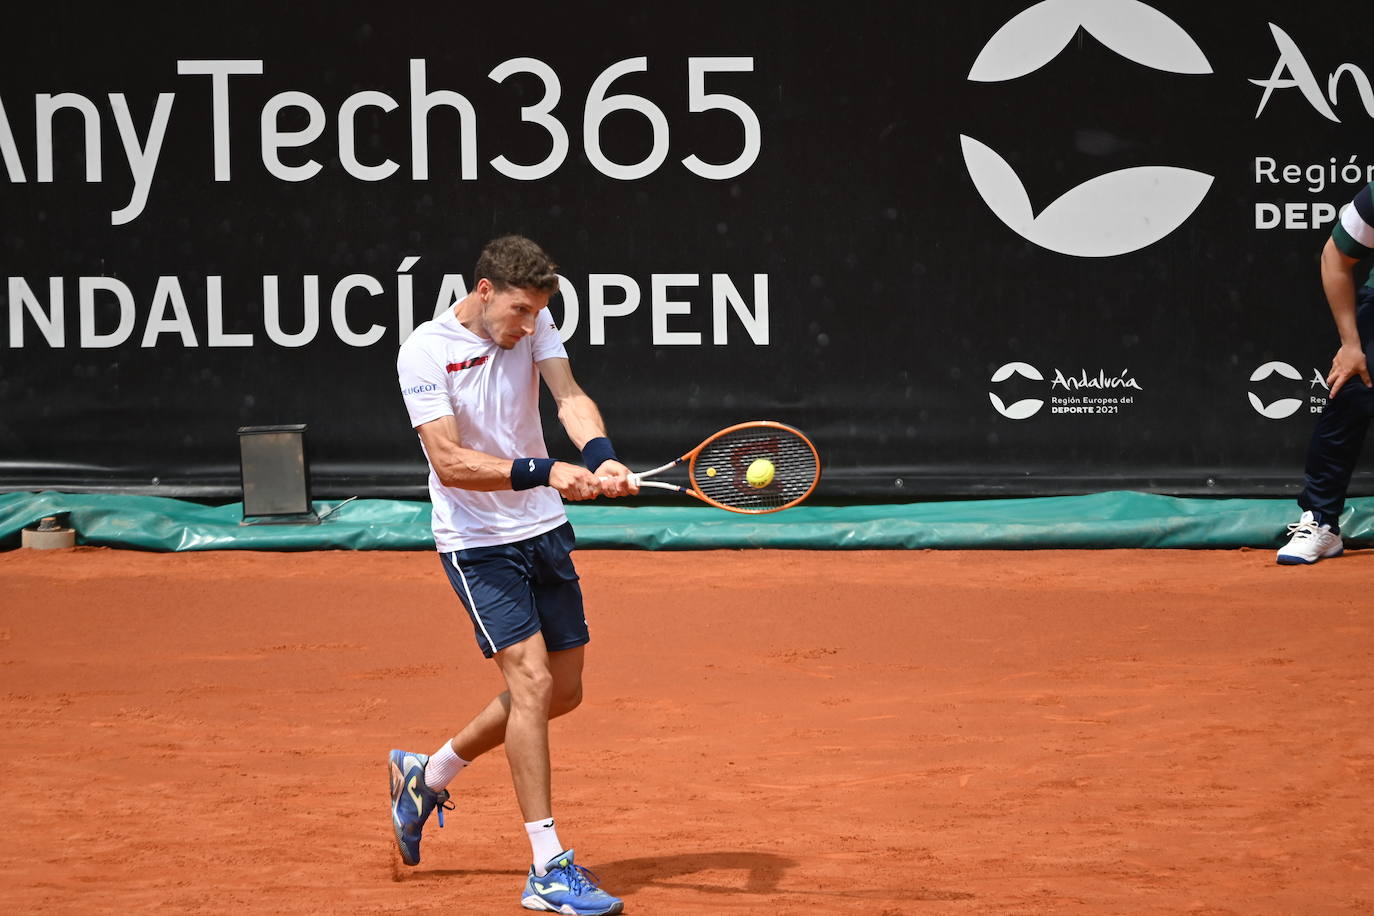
[633,478]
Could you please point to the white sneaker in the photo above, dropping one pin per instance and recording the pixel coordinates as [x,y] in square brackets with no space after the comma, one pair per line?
[1310,542]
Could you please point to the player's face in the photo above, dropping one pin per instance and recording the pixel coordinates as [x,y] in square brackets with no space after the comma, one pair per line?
[509,315]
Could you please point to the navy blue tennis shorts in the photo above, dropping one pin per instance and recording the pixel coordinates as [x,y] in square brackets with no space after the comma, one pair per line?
[512,591]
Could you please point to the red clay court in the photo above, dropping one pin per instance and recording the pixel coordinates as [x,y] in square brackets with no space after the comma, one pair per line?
[766,732]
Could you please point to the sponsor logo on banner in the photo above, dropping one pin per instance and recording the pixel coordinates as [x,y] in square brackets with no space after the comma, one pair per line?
[1023,409]
[1111,214]
[1127,210]
[1074,392]
[1299,393]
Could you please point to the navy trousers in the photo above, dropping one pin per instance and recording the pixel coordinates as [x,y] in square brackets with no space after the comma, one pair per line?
[1339,435]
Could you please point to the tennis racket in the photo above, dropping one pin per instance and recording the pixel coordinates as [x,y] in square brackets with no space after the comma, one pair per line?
[718,469]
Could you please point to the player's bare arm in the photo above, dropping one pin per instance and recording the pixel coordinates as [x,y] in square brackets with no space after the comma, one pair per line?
[582,421]
[469,469]
[1338,281]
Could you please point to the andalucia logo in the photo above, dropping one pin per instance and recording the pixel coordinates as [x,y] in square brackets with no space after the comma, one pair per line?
[1111,214]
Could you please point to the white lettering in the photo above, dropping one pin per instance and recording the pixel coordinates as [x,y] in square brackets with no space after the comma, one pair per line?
[662,307]
[724,295]
[451,290]
[310,320]
[700,100]
[168,292]
[599,309]
[599,106]
[108,315]
[49,322]
[1361,82]
[214,315]
[142,158]
[219,72]
[1294,215]
[274,138]
[536,114]
[338,310]
[13,166]
[124,299]
[1101,380]
[421,103]
[1292,60]
[348,147]
[405,297]
[572,311]
[45,106]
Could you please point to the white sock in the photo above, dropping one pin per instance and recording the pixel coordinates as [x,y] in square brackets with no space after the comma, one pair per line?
[442,767]
[543,842]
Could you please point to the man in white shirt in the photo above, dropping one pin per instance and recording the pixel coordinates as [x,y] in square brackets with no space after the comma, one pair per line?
[470,380]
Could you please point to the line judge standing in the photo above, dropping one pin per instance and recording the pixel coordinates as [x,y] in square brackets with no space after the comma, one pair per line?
[1340,431]
[470,380]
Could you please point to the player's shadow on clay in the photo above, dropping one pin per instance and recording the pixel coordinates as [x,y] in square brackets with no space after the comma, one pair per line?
[754,874]
[757,874]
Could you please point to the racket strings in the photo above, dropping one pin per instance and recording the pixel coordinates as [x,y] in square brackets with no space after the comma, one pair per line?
[720,471]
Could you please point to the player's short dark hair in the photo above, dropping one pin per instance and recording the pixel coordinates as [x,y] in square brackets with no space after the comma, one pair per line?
[513,260]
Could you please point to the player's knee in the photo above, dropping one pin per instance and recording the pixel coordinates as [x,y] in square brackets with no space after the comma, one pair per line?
[566,700]
[532,685]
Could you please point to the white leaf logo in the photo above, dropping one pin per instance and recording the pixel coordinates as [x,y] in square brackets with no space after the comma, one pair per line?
[1137,32]
[1280,409]
[1269,368]
[1021,409]
[1109,215]
[1284,407]
[1010,369]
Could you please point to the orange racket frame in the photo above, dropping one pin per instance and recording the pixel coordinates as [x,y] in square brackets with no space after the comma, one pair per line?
[690,458]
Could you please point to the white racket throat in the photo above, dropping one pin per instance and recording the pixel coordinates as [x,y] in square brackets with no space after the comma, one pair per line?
[637,480]
[662,485]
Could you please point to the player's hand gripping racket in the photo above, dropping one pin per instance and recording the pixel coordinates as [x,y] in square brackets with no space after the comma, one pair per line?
[755,467]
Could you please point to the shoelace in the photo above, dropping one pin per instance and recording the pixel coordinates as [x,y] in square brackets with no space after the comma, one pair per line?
[443,804]
[581,880]
[1302,529]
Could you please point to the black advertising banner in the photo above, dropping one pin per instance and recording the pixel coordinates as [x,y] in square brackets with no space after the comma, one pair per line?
[970,248]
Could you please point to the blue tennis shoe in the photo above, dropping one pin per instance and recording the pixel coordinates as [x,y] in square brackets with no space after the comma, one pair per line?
[412,801]
[569,889]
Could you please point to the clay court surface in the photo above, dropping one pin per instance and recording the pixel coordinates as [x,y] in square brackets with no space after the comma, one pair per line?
[764,732]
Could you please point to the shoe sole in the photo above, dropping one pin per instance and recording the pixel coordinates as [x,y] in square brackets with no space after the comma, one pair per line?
[539,903]
[396,780]
[1291,560]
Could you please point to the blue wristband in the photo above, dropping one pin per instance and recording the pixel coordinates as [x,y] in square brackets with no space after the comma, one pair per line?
[530,472]
[597,451]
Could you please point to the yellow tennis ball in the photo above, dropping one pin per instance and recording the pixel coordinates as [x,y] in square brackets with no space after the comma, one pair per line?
[710,472]
[760,473]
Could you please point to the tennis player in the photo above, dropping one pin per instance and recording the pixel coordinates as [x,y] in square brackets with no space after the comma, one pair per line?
[470,380]
[1339,434]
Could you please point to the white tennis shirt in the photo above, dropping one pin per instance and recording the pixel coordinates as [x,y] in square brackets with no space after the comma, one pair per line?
[493,395]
